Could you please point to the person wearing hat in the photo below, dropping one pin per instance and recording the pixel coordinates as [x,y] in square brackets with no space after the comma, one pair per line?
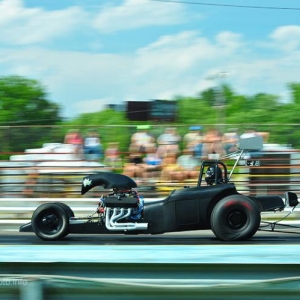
[193,140]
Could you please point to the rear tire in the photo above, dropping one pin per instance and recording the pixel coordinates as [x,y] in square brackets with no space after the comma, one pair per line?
[67,208]
[235,218]
[50,221]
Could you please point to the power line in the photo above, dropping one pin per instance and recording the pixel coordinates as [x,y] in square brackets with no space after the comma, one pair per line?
[227,5]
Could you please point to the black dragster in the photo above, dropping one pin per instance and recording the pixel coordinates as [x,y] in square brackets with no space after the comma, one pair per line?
[214,203]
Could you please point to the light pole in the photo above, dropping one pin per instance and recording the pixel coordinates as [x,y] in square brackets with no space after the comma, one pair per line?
[220,100]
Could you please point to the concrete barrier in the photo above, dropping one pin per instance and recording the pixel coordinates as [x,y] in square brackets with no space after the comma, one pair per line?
[148,281]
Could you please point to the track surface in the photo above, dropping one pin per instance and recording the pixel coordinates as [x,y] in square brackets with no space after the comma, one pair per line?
[190,247]
[205,237]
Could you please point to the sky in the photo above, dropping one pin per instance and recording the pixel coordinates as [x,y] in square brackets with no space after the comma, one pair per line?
[91,53]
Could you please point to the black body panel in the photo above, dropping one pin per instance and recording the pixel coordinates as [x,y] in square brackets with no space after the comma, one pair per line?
[185,209]
[269,203]
[26,227]
[89,227]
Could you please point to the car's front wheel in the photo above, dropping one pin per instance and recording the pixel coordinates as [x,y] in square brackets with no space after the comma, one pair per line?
[235,218]
[50,221]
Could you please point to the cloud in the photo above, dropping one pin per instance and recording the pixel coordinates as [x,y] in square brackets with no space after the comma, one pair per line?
[187,54]
[287,37]
[172,54]
[92,105]
[172,63]
[229,41]
[134,14]
[24,26]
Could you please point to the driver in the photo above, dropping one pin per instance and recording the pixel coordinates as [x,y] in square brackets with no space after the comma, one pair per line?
[211,173]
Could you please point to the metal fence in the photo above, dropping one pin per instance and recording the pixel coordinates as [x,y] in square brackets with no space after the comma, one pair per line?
[278,170]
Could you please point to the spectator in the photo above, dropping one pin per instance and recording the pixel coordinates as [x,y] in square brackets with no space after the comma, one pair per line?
[73,137]
[142,139]
[187,167]
[230,140]
[92,146]
[168,142]
[31,182]
[189,164]
[168,165]
[112,155]
[249,132]
[212,144]
[193,140]
[152,164]
[134,167]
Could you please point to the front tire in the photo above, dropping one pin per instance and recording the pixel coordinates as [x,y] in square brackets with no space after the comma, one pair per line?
[50,222]
[235,218]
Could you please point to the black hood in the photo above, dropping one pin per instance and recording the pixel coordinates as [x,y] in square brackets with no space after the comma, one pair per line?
[108,181]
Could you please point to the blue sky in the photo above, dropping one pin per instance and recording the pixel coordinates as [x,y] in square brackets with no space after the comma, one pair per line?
[90,53]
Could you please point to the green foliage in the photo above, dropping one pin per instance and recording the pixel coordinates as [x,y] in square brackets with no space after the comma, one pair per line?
[23,102]
[105,117]
[295,91]
[239,111]
[194,111]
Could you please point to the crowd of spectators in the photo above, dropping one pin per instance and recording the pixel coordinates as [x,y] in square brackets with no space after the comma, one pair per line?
[151,157]
[167,156]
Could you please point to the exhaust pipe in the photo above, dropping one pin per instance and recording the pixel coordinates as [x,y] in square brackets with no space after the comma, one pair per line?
[111,222]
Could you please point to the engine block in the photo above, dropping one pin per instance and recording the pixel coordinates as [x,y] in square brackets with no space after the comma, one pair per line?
[121,201]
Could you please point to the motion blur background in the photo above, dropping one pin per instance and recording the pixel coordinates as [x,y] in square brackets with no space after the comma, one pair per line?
[116,68]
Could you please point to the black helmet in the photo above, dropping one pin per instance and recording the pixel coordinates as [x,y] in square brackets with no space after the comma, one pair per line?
[210,175]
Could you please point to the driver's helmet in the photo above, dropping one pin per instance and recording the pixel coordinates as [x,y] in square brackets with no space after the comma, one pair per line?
[210,175]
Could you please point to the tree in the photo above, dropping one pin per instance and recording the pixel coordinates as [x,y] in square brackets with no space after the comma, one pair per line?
[23,102]
[295,92]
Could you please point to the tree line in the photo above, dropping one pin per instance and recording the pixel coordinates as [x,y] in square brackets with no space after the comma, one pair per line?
[25,102]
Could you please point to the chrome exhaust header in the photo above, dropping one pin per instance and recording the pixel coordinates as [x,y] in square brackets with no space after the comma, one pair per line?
[116,214]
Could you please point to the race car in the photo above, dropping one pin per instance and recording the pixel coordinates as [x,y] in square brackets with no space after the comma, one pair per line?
[214,203]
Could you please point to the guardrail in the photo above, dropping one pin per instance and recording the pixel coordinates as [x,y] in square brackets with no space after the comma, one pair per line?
[278,172]
[141,280]
[248,181]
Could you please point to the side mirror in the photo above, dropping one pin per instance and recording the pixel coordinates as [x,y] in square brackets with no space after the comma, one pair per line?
[291,199]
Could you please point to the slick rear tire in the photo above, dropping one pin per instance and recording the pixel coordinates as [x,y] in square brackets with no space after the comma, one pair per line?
[235,218]
[67,208]
[50,222]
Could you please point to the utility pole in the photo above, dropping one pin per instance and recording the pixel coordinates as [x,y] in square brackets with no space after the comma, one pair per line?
[220,100]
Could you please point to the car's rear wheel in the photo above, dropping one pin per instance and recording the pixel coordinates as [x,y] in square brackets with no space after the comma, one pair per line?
[67,208]
[235,218]
[50,221]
